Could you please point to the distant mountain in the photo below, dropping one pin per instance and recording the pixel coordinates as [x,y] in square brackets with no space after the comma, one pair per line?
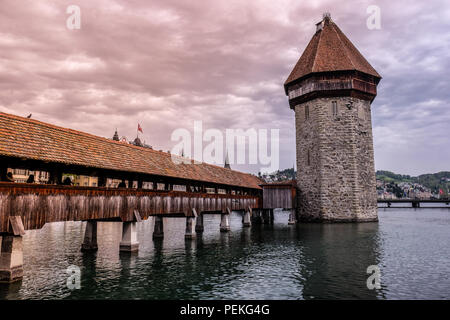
[434,181]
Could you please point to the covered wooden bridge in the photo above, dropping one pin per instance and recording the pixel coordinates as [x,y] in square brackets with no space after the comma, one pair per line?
[157,184]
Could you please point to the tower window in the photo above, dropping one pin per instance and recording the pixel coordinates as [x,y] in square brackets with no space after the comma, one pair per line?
[308,160]
[334,108]
[306,112]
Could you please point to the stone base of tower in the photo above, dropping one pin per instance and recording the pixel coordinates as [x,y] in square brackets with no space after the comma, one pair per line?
[335,220]
[313,210]
[336,174]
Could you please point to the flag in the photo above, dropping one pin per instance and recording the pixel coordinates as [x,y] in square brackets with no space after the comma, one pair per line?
[139,128]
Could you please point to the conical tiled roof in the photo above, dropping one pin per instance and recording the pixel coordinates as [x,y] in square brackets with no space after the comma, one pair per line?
[330,50]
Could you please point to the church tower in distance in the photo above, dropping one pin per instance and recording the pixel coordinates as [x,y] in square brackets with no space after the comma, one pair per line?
[331,89]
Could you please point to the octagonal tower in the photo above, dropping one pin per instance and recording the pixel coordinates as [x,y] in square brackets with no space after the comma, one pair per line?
[331,89]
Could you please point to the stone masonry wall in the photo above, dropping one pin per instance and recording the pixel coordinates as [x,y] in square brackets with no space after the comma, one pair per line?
[338,184]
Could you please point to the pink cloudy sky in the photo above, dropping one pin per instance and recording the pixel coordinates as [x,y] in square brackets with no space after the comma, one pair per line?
[166,63]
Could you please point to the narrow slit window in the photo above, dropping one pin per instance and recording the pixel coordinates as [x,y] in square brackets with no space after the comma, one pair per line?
[306,112]
[334,108]
[308,160]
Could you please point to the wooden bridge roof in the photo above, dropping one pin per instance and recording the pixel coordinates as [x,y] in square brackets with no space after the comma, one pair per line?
[286,183]
[31,139]
[330,50]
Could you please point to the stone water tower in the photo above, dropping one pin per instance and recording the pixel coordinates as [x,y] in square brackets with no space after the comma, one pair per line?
[331,89]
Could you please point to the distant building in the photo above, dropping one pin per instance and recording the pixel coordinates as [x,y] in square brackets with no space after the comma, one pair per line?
[227,162]
[116,136]
[85,181]
[22,175]
[137,142]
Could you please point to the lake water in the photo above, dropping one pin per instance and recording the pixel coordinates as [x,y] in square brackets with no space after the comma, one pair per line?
[307,261]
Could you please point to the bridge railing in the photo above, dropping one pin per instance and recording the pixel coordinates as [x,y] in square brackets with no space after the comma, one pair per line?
[38,204]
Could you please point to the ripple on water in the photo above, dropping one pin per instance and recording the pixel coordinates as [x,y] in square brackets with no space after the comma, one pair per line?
[308,261]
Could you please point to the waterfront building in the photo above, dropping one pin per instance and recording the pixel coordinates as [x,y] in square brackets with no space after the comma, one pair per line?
[331,89]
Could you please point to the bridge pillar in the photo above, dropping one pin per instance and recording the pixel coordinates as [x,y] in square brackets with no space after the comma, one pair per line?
[158,231]
[199,223]
[129,241]
[267,216]
[247,221]
[225,221]
[190,228]
[256,216]
[292,217]
[90,237]
[11,259]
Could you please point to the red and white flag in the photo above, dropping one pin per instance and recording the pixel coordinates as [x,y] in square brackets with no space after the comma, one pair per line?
[139,128]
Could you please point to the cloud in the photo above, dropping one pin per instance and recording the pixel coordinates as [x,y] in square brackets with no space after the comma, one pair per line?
[168,63]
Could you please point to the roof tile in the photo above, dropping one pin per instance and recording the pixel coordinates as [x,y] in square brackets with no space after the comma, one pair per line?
[32,139]
[330,50]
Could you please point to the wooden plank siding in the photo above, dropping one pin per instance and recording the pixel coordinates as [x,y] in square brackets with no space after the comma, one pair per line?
[279,195]
[39,204]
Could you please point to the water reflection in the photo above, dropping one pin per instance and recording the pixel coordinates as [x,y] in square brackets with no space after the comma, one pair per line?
[335,260]
[307,261]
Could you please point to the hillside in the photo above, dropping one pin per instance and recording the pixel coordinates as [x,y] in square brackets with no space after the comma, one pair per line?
[280,175]
[433,181]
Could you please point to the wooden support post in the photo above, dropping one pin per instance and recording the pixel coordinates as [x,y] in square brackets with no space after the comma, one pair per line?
[55,177]
[11,251]
[158,231]
[130,183]
[255,217]
[265,216]
[90,237]
[225,221]
[292,217]
[11,258]
[129,241]
[190,228]
[199,227]
[3,171]
[101,181]
[190,225]
[247,217]
[140,183]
